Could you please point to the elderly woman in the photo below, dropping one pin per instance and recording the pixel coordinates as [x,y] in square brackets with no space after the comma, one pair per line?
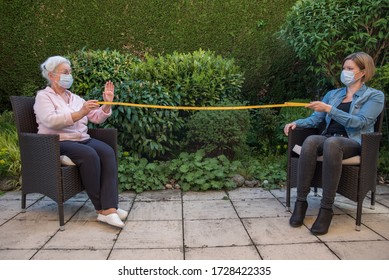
[348,112]
[59,111]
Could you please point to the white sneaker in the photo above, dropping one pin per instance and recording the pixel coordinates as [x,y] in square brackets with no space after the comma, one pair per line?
[111,219]
[122,214]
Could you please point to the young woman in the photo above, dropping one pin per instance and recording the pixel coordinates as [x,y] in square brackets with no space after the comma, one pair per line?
[348,112]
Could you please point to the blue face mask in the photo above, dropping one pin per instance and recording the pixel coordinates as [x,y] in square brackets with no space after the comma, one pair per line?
[65,80]
[348,77]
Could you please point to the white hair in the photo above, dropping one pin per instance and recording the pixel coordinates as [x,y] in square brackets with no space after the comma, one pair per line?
[50,64]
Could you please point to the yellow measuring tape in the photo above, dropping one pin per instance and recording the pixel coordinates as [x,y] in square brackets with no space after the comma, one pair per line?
[286,104]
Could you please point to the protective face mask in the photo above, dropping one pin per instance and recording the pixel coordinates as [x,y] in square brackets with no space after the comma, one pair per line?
[65,80]
[347,77]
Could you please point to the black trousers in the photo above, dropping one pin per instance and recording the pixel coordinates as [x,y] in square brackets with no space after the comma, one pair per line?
[97,165]
[333,149]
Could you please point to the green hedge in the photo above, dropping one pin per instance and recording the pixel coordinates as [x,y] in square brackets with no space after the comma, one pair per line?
[30,31]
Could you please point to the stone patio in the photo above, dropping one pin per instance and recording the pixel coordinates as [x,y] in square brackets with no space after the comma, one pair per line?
[241,224]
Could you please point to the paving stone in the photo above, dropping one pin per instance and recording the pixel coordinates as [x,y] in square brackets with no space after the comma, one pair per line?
[307,251]
[207,195]
[62,254]
[361,250]
[156,210]
[150,234]
[26,234]
[147,254]
[342,228]
[222,253]
[249,193]
[209,209]
[84,235]
[16,254]
[268,207]
[276,230]
[213,233]
[164,195]
[379,223]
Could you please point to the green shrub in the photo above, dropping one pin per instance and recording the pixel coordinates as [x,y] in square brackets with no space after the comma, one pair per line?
[92,68]
[10,166]
[145,132]
[324,32]
[201,77]
[218,132]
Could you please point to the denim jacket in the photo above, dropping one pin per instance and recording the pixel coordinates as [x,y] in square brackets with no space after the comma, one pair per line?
[366,105]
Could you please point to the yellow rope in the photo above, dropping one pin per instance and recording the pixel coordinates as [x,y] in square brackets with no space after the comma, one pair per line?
[286,104]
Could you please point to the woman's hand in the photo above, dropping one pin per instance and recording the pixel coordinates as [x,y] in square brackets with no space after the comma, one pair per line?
[319,106]
[288,127]
[109,91]
[108,95]
[88,106]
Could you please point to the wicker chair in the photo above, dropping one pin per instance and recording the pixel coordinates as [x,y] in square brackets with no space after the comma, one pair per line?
[356,180]
[40,158]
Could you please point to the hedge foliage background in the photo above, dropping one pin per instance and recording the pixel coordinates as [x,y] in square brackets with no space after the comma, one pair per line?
[32,30]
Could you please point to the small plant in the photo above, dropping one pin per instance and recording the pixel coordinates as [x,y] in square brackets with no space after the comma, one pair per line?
[269,170]
[138,175]
[197,172]
[190,171]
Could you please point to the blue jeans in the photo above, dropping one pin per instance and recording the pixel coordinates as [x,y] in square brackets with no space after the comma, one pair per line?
[333,149]
[97,165]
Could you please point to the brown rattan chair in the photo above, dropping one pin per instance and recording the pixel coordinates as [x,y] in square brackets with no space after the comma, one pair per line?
[40,158]
[356,180]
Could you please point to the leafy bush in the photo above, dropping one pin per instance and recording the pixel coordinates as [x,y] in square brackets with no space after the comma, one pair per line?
[10,166]
[201,77]
[324,32]
[218,132]
[380,80]
[146,132]
[264,124]
[92,68]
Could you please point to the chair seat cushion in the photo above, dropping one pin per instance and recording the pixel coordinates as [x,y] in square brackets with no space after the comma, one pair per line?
[355,160]
[66,160]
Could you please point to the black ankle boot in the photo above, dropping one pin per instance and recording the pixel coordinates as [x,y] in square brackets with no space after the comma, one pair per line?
[297,218]
[323,221]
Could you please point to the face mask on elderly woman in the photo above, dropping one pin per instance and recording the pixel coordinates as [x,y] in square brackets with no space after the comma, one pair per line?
[65,80]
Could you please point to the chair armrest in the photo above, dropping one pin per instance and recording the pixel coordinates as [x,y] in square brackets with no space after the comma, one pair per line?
[370,146]
[39,155]
[37,150]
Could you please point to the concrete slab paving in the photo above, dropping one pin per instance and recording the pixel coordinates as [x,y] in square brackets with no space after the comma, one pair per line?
[239,224]
[208,209]
[361,250]
[147,254]
[156,210]
[213,233]
[223,253]
[71,254]
[150,235]
[302,251]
